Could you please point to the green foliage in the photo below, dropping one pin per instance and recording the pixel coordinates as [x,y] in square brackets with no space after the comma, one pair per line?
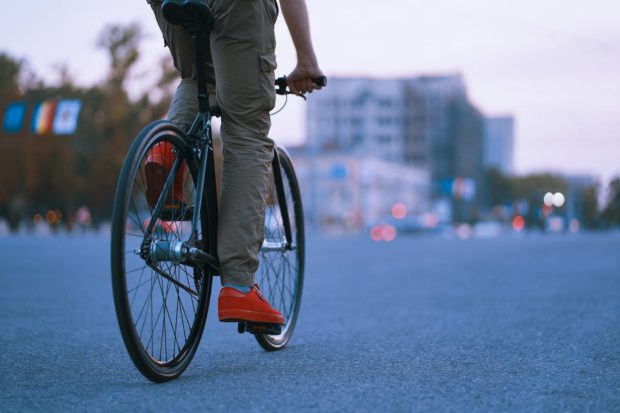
[611,212]
[505,189]
[9,77]
[591,215]
[534,186]
[121,43]
[500,187]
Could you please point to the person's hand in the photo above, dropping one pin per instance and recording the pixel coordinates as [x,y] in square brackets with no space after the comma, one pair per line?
[300,79]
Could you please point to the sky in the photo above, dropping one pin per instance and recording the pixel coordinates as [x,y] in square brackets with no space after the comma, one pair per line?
[553,64]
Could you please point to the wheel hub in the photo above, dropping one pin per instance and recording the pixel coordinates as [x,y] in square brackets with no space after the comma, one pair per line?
[175,251]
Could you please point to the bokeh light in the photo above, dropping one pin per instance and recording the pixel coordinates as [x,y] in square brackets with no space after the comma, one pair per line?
[383,232]
[464,231]
[518,223]
[399,210]
[548,199]
[388,233]
[53,217]
[375,233]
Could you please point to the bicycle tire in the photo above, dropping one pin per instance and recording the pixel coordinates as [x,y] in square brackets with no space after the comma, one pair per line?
[276,267]
[128,200]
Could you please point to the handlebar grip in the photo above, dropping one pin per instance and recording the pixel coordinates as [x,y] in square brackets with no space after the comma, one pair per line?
[320,81]
[282,84]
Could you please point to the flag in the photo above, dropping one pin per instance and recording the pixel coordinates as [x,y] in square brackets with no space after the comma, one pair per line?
[43,117]
[67,112]
[14,117]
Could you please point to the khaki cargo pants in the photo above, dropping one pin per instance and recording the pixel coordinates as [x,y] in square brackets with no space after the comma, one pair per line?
[240,64]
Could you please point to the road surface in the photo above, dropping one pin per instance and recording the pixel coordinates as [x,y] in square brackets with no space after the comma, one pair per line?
[418,324]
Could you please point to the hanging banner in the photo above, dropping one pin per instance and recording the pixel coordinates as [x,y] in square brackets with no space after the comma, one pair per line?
[67,112]
[14,117]
[43,117]
[464,188]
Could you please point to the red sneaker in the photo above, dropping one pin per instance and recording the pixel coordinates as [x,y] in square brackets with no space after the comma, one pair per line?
[235,306]
[158,163]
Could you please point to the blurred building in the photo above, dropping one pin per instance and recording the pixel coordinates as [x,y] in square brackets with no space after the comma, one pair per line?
[343,192]
[499,143]
[425,122]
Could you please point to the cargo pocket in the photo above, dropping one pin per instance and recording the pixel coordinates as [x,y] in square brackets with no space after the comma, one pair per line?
[272,10]
[267,78]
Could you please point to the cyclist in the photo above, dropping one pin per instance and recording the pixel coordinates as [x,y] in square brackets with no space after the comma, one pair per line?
[240,64]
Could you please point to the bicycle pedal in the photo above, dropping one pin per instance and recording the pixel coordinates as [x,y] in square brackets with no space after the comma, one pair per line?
[259,328]
[175,213]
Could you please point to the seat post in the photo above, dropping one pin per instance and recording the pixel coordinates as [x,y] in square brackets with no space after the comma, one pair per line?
[201,72]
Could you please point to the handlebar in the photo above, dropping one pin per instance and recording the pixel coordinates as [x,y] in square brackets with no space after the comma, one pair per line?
[282,84]
[281,89]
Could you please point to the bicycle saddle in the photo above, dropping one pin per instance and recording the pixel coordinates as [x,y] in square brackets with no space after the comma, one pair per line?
[192,15]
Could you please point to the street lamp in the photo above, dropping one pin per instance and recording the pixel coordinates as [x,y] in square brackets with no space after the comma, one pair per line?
[548,199]
[558,199]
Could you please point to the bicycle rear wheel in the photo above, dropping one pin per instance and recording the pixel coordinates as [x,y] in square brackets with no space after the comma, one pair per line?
[280,273]
[161,305]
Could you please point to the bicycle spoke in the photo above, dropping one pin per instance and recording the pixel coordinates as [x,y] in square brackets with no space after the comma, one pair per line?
[136,222]
[140,284]
[145,306]
[165,313]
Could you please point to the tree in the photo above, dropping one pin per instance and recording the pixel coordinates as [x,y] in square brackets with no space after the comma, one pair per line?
[65,172]
[10,156]
[534,186]
[10,69]
[499,187]
[611,213]
[590,207]
[121,43]
[117,119]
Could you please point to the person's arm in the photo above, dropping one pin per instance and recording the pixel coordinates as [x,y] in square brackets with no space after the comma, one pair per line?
[295,14]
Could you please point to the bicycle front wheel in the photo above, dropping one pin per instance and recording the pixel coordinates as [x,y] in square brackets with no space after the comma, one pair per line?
[161,303]
[281,271]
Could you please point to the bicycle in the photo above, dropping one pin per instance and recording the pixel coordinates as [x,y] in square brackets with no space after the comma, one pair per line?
[164,256]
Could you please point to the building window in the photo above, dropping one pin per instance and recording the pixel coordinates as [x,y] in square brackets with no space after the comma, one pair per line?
[418,158]
[384,121]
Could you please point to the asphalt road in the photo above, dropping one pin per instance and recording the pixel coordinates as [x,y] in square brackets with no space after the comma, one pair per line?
[530,324]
